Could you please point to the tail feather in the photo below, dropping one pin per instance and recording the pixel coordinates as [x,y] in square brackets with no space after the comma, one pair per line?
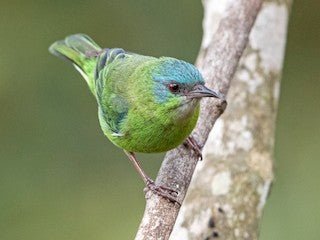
[82,43]
[77,48]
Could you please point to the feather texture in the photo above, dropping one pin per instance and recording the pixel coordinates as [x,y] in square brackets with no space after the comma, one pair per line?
[136,109]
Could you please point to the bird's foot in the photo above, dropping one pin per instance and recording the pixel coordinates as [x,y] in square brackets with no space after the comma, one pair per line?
[162,191]
[192,143]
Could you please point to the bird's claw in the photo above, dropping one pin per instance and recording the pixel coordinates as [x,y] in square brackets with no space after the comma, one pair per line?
[162,191]
[192,143]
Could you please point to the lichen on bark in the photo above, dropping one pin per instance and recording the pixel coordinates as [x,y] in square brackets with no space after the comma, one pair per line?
[231,185]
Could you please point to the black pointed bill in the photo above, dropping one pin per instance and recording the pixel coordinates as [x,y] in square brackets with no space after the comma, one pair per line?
[200,91]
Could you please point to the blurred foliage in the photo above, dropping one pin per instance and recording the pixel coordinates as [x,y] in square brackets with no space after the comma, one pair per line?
[60,178]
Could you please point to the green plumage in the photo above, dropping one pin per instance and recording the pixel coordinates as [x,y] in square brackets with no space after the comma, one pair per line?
[76,48]
[137,110]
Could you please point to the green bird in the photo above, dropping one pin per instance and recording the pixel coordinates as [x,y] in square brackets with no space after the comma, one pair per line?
[145,104]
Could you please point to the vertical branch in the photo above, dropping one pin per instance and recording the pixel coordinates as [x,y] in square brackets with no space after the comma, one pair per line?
[218,60]
[229,188]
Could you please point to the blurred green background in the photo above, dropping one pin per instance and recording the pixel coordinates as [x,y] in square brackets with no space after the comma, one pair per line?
[60,178]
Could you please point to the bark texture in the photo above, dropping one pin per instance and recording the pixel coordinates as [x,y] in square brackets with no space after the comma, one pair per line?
[225,38]
[229,188]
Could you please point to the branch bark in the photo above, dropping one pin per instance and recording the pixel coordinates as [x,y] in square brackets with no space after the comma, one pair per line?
[229,188]
[223,44]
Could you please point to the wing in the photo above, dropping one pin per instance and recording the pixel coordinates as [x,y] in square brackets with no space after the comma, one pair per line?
[113,107]
[113,70]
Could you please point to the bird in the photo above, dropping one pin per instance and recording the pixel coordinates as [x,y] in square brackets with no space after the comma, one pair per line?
[145,104]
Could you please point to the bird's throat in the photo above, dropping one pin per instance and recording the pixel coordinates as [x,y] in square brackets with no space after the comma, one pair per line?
[187,109]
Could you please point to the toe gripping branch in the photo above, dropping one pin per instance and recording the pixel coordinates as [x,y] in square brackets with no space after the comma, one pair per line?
[192,143]
[162,191]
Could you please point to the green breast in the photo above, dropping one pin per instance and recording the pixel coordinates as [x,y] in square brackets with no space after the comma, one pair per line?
[155,131]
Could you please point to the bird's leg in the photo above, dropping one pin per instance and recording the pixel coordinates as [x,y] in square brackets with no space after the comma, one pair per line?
[150,184]
[192,143]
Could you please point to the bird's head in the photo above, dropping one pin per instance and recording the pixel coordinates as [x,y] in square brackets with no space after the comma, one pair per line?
[179,85]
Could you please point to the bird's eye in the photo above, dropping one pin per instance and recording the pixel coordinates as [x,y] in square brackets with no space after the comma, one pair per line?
[173,87]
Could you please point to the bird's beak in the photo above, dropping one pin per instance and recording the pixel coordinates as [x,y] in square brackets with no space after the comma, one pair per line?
[200,91]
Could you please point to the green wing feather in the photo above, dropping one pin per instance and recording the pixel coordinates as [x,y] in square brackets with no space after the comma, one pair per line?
[110,80]
[113,104]
[114,70]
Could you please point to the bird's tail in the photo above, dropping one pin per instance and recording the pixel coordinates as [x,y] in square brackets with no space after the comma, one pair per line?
[81,50]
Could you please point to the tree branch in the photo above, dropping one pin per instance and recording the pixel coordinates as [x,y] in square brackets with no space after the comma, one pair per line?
[222,47]
[229,189]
